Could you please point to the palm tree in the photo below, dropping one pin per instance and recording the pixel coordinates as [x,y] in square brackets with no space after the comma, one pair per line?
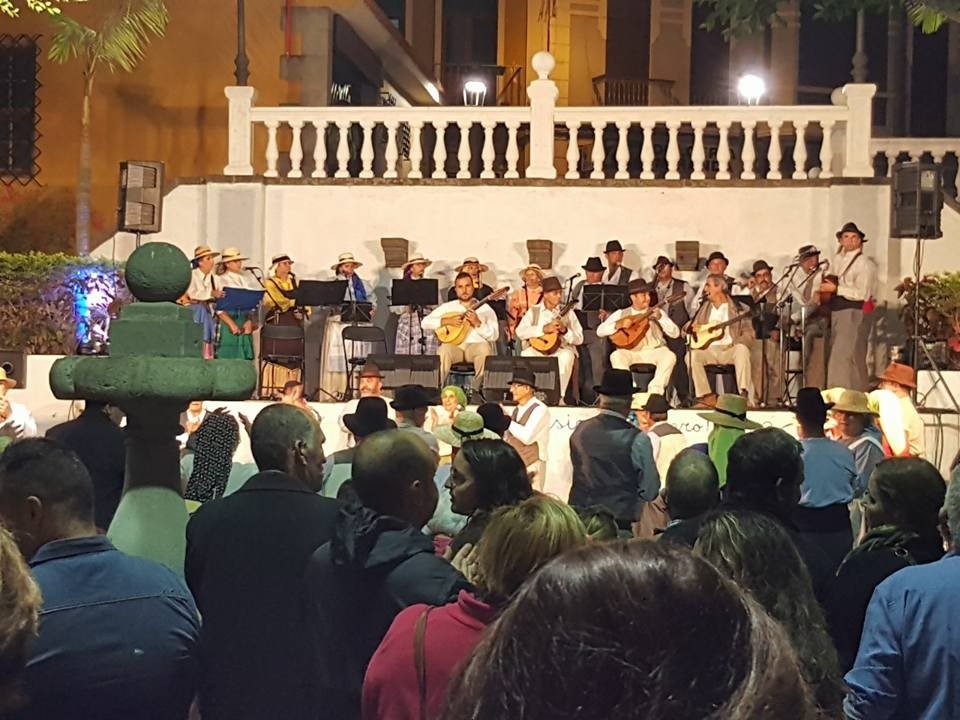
[49,7]
[117,41]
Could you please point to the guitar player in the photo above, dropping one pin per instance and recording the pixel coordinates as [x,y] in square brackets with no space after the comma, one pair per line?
[541,319]
[484,328]
[652,348]
[731,348]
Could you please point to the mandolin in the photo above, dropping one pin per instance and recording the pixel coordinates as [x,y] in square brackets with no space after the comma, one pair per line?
[456,333]
[702,336]
[549,342]
[635,330]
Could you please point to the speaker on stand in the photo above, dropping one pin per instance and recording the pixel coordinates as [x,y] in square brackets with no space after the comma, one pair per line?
[140,202]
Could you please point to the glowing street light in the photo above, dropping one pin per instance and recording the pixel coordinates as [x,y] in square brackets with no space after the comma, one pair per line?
[474,92]
[751,88]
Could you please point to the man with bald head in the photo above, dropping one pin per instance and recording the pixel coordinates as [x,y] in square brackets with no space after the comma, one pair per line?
[378,563]
[245,558]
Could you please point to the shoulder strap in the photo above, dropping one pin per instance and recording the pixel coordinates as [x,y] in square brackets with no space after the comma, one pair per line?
[535,316]
[420,659]
[850,264]
[865,439]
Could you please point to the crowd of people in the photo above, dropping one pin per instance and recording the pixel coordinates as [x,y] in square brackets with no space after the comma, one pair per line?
[751,576]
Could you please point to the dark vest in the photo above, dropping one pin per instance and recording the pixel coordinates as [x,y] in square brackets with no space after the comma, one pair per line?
[530,454]
[677,311]
[603,473]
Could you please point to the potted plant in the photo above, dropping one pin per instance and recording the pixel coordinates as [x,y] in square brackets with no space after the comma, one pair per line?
[939,299]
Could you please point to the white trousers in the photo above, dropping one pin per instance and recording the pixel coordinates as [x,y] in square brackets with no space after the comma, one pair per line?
[565,357]
[737,355]
[662,357]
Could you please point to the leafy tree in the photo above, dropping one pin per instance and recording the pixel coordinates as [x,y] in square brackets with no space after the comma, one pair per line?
[47,7]
[117,40]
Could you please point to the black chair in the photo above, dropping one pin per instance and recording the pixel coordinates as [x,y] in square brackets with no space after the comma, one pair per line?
[643,374]
[281,345]
[359,337]
[723,379]
[462,374]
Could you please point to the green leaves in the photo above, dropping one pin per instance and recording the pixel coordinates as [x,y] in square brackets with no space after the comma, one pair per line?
[48,7]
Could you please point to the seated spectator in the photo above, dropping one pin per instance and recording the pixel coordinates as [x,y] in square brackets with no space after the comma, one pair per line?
[466,427]
[600,524]
[900,508]
[100,444]
[857,432]
[485,475]
[370,417]
[377,564]
[21,601]
[411,403]
[494,418]
[829,479]
[586,638]
[453,401]
[118,633]
[692,490]
[209,469]
[667,441]
[756,552]
[518,540]
[15,419]
[245,560]
[729,418]
[190,421]
[907,663]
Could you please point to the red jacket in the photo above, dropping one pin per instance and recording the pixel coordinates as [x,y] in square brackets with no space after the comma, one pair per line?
[390,689]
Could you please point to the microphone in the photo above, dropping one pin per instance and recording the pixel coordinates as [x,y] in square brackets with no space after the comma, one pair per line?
[573,277]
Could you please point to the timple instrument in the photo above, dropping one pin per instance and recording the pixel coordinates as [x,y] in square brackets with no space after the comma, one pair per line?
[635,328]
[455,327]
[549,342]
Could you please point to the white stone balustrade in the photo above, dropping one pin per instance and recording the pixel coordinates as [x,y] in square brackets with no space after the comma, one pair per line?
[914,149]
[674,143]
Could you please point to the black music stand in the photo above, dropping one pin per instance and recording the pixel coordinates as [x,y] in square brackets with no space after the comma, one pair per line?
[605,297]
[317,293]
[419,294]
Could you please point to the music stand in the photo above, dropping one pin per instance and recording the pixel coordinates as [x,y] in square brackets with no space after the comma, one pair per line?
[604,297]
[316,293]
[239,300]
[354,313]
[419,294]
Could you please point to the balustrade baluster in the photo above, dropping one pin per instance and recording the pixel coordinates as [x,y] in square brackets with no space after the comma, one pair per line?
[646,153]
[489,153]
[513,152]
[272,152]
[723,150]
[296,150]
[343,150]
[698,155]
[596,157]
[673,150]
[573,150]
[391,153]
[826,150]
[366,150]
[774,154]
[320,150]
[416,149]
[891,156]
[800,150]
[463,156]
[623,152]
[749,155]
[439,150]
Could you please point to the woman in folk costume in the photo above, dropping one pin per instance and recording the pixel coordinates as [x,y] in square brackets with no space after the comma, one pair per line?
[281,309]
[408,324]
[201,293]
[524,298]
[235,333]
[333,373]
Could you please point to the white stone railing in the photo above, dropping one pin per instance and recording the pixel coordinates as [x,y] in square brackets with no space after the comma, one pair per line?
[894,149]
[618,143]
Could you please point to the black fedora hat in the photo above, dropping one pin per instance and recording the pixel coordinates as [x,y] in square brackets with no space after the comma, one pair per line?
[593,265]
[717,255]
[613,246]
[639,285]
[851,227]
[807,251]
[370,417]
[494,419]
[551,283]
[523,375]
[811,405]
[656,403]
[761,265]
[371,370]
[663,260]
[616,383]
[411,397]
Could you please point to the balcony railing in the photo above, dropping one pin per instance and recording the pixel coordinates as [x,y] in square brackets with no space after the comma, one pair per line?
[620,91]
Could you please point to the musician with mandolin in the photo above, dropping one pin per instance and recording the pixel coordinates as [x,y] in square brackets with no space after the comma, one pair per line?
[466,327]
[720,333]
[550,329]
[638,333]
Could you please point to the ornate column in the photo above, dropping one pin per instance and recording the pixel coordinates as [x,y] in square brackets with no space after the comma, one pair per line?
[241,63]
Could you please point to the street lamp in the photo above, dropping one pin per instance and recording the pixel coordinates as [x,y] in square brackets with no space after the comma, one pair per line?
[751,88]
[474,92]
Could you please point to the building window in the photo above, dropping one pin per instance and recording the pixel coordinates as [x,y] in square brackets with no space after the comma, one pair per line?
[18,109]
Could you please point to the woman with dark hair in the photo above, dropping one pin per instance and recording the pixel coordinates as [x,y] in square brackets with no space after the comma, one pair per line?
[21,602]
[210,468]
[517,542]
[900,513]
[756,552]
[485,475]
[631,630]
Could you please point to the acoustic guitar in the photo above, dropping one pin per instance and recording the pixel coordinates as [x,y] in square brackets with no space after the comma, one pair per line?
[549,342]
[702,336]
[456,334]
[636,327]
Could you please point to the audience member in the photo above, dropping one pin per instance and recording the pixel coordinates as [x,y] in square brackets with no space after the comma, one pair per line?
[494,418]
[756,552]
[245,559]
[369,385]
[729,418]
[857,432]
[411,403]
[829,478]
[99,443]
[118,633]
[466,427]
[600,524]
[612,460]
[15,419]
[666,441]
[370,417]
[485,475]
[901,508]
[410,671]
[691,490]
[906,666]
[453,400]
[20,602]
[903,431]
[209,469]
[377,563]
[587,639]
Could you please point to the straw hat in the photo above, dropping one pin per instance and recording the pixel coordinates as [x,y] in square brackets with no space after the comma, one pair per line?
[467,426]
[203,251]
[855,402]
[230,254]
[419,258]
[8,382]
[731,411]
[469,260]
[532,266]
[345,258]
[280,258]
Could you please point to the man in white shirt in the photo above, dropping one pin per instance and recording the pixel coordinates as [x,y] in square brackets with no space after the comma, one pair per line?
[616,274]
[483,331]
[856,276]
[803,286]
[529,425]
[15,419]
[733,347]
[544,318]
[652,348]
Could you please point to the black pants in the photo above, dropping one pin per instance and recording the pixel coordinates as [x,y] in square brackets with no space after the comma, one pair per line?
[680,380]
[593,360]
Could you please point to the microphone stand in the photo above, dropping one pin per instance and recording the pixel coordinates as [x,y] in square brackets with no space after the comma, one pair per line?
[761,303]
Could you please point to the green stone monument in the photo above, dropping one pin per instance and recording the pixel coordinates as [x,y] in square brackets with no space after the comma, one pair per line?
[155,368]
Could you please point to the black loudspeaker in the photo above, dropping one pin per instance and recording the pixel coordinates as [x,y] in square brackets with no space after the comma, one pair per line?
[14,364]
[916,201]
[400,370]
[140,205]
[497,372]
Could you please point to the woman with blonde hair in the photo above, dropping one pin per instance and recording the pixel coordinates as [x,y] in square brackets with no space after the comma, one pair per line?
[20,603]
[409,673]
